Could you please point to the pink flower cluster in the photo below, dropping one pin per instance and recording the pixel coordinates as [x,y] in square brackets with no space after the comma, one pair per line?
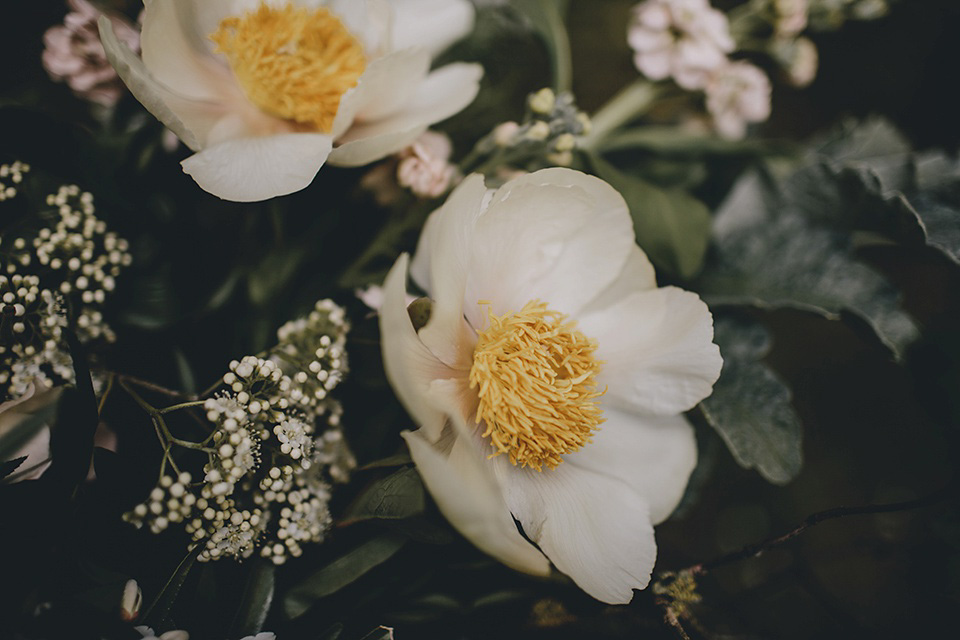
[73,53]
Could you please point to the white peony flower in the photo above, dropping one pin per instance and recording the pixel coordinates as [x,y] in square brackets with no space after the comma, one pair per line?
[682,39]
[267,92]
[549,381]
[737,94]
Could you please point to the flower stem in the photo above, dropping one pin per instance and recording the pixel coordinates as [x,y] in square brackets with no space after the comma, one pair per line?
[182,405]
[633,100]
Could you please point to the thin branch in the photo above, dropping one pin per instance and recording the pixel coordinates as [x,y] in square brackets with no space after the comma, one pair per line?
[757,549]
[146,384]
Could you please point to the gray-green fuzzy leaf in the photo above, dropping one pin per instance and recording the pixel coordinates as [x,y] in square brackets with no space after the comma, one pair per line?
[750,406]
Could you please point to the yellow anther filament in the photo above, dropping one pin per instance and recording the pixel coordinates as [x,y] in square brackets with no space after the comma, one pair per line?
[535,375]
[294,63]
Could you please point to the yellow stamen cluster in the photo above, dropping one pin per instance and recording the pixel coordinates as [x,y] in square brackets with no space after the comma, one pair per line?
[294,63]
[535,375]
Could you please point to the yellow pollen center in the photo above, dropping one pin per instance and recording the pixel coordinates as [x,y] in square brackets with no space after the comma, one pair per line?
[294,63]
[535,375]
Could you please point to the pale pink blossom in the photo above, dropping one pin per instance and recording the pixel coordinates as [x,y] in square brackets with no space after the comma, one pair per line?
[424,166]
[737,94]
[73,53]
[681,39]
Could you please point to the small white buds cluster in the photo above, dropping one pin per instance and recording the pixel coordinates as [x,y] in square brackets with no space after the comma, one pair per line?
[11,175]
[170,502]
[266,481]
[311,351]
[70,261]
[31,323]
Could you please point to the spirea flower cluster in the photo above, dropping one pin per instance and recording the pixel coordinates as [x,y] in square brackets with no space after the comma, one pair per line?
[59,273]
[274,448]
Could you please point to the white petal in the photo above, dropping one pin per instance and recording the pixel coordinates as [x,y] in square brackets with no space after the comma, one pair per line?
[157,99]
[658,351]
[637,275]
[252,169]
[433,24]
[468,496]
[443,93]
[359,152]
[367,20]
[447,334]
[34,404]
[409,365]
[176,49]
[595,528]
[390,82]
[556,235]
[655,455]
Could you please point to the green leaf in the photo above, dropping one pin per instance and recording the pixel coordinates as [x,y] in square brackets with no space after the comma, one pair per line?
[71,439]
[773,250]
[257,598]
[672,226]
[873,144]
[399,495]
[941,222]
[546,18]
[333,632]
[158,613]
[341,572]
[750,406]
[396,460]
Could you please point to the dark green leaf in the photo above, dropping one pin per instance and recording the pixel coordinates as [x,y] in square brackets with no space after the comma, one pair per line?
[333,632]
[750,406]
[257,598]
[546,18]
[397,460]
[850,199]
[341,572]
[399,495]
[157,614]
[771,251]
[671,225]
[941,221]
[71,440]
[874,144]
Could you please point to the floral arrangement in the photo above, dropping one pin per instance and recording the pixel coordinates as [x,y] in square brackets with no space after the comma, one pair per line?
[364,319]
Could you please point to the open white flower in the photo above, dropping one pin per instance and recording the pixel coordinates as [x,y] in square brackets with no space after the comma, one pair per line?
[266,92]
[549,381]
